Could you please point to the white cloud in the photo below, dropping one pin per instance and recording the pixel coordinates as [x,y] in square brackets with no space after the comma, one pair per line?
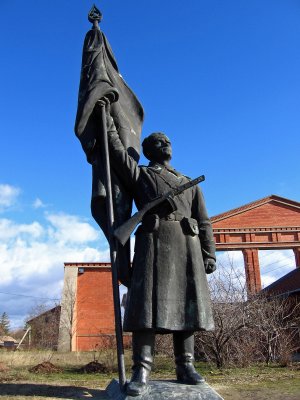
[12,230]
[38,203]
[231,258]
[229,276]
[8,196]
[232,262]
[69,228]
[274,264]
[32,257]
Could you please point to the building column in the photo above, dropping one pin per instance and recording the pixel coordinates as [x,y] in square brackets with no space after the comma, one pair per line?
[297,256]
[252,270]
[67,313]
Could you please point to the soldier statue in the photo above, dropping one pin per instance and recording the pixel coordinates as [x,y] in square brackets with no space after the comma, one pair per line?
[174,250]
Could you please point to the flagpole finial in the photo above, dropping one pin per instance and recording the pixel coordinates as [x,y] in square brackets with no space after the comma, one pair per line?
[95,16]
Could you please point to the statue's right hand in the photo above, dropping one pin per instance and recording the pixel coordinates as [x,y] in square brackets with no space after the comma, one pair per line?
[104,102]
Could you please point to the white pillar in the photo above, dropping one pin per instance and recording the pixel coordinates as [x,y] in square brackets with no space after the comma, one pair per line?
[68,309]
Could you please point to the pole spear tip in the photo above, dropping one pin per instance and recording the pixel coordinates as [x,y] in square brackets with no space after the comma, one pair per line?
[95,16]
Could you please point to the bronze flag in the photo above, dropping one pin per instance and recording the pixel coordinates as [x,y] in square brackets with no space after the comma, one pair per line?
[100,77]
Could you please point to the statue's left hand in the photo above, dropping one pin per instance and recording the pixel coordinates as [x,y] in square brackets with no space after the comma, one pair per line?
[209,265]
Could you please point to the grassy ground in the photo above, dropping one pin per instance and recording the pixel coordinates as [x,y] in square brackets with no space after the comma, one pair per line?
[16,382]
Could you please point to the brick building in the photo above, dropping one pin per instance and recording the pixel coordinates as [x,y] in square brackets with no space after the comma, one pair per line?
[287,286]
[271,223]
[87,315]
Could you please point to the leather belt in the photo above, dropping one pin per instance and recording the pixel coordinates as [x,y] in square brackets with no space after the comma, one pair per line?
[174,216]
[189,226]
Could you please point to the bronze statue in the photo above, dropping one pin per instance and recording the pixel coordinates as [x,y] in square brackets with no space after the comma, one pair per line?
[174,248]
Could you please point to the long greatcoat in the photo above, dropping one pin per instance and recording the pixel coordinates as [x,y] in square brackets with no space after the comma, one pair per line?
[169,290]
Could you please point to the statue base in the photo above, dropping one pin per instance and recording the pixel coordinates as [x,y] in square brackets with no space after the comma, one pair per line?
[167,390]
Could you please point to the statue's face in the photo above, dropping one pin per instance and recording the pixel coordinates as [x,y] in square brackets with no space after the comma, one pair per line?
[161,149]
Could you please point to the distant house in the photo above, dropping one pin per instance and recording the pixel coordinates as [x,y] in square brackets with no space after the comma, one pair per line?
[8,342]
[287,286]
[45,328]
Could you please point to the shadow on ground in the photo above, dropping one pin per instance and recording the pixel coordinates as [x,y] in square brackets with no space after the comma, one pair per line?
[59,392]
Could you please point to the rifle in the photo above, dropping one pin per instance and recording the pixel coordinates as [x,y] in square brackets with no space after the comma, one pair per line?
[123,232]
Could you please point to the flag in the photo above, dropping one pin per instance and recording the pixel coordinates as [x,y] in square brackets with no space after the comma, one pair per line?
[100,77]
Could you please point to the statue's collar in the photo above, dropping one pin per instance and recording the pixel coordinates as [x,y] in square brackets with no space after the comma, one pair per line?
[159,168]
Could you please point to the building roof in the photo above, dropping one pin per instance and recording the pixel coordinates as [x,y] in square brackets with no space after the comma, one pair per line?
[88,264]
[287,284]
[269,199]
[47,312]
[7,339]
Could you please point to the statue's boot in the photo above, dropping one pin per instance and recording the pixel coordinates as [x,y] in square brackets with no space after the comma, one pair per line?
[142,347]
[184,358]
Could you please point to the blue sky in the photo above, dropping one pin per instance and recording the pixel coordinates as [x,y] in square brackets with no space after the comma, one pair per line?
[220,78]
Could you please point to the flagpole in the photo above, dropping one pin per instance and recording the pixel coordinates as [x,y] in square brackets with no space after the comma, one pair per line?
[95,17]
[113,249]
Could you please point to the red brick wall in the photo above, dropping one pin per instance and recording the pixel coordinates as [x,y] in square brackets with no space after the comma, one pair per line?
[94,308]
[265,215]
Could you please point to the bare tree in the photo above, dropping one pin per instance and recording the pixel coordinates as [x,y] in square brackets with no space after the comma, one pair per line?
[247,329]
[68,317]
[275,324]
[231,315]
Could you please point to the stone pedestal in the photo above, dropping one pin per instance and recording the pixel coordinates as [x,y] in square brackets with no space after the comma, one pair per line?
[166,390]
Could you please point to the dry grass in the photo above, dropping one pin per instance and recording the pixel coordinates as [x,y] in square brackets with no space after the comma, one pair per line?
[17,383]
[17,359]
